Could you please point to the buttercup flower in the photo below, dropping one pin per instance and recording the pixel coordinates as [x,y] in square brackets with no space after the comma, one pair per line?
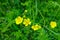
[18,20]
[27,22]
[36,27]
[53,24]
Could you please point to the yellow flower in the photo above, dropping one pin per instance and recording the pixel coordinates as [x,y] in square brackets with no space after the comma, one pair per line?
[36,27]
[18,20]
[53,24]
[27,22]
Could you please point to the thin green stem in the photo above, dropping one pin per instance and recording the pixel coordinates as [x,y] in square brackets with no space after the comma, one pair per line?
[51,30]
[33,18]
[35,13]
[36,6]
[30,6]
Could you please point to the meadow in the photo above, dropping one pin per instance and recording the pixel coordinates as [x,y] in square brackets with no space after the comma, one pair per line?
[29,19]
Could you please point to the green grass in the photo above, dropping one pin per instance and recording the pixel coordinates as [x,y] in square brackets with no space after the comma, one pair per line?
[40,12]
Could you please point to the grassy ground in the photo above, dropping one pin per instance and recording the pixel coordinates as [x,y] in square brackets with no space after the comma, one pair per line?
[29,20]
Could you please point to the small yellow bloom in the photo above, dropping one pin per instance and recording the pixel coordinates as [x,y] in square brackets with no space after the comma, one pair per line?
[25,11]
[27,22]
[53,24]
[18,20]
[36,27]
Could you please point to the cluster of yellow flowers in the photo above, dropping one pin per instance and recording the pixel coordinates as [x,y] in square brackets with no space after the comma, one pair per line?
[27,22]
